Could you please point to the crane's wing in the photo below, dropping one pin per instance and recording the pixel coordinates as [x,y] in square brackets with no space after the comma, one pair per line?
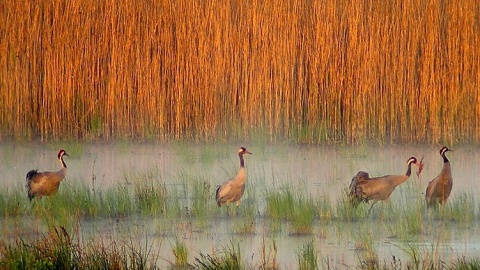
[356,188]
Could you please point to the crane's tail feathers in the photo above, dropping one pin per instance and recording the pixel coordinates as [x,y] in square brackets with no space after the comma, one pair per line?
[356,196]
[354,201]
[30,175]
[217,198]
[29,178]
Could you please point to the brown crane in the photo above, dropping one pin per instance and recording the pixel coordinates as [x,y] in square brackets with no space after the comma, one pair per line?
[46,183]
[440,187]
[233,189]
[364,189]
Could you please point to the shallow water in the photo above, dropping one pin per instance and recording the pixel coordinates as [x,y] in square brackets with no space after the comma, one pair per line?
[322,171]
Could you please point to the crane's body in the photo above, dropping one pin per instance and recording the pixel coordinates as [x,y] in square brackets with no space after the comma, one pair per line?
[233,189]
[41,184]
[439,189]
[364,189]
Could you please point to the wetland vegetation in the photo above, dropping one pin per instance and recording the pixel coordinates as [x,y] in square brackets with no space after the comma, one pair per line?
[148,218]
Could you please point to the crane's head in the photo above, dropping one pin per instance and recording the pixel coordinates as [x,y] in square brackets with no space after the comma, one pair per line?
[444,150]
[243,150]
[62,153]
[412,160]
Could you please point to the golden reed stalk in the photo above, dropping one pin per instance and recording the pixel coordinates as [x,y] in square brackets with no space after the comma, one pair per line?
[305,71]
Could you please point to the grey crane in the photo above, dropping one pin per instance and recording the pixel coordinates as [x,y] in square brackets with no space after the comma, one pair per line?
[440,187]
[46,183]
[364,189]
[233,189]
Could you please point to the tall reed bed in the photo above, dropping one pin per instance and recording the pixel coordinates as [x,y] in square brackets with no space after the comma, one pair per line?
[310,71]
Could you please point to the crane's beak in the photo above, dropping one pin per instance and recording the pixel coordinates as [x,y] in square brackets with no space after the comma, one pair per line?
[246,152]
[420,166]
[65,154]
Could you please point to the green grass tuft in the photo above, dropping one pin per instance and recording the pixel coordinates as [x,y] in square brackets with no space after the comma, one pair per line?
[307,257]
[298,209]
[228,259]
[180,251]
[466,264]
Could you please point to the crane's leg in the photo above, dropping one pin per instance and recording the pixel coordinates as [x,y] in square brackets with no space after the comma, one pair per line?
[227,206]
[370,209]
[389,205]
[235,210]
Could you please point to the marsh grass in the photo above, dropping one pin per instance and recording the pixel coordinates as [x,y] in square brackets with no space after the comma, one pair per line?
[147,194]
[324,209]
[411,223]
[180,252]
[268,256]
[114,202]
[294,207]
[307,257]
[245,218]
[228,259]
[136,194]
[466,264]
[202,202]
[189,203]
[152,198]
[78,199]
[461,208]
[13,202]
[148,191]
[418,259]
[362,235]
[405,221]
[59,250]
[346,211]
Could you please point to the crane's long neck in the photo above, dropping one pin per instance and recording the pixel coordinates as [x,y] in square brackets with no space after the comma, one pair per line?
[399,179]
[64,165]
[409,170]
[445,159]
[241,172]
[242,163]
[63,171]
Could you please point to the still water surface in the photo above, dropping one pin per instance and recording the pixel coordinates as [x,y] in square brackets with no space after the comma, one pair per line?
[321,171]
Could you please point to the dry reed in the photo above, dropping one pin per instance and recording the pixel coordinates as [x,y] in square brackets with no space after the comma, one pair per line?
[305,71]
